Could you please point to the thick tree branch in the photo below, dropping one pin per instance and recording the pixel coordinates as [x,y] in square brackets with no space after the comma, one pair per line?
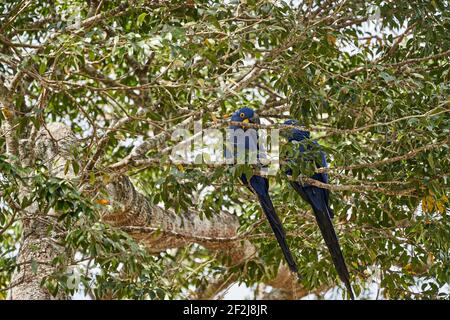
[160,228]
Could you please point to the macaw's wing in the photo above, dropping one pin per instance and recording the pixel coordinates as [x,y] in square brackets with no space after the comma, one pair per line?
[311,151]
[316,198]
[242,146]
[261,187]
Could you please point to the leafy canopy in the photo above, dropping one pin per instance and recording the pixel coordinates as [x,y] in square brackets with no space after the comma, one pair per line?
[368,78]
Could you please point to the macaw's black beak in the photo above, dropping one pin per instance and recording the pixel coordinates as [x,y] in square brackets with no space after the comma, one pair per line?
[255,119]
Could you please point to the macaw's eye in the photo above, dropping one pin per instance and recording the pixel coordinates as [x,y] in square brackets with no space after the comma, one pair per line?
[242,115]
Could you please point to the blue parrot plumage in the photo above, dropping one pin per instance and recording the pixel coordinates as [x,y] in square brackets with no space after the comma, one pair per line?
[318,198]
[260,185]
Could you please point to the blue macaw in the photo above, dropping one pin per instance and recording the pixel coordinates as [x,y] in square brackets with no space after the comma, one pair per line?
[260,185]
[318,198]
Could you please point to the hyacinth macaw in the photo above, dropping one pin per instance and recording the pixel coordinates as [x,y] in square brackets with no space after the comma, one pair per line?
[260,185]
[318,198]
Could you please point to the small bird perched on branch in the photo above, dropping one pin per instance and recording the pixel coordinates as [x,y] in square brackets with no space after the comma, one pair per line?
[257,184]
[317,198]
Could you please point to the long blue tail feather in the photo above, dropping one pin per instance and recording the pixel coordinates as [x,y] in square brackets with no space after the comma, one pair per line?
[260,186]
[323,219]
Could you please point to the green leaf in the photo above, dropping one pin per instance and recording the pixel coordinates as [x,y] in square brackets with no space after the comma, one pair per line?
[43,67]
[34,266]
[75,167]
[141,19]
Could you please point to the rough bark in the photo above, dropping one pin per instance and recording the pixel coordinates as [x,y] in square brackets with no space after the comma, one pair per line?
[161,229]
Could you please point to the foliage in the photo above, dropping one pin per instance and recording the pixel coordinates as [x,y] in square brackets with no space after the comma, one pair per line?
[97,245]
[374,91]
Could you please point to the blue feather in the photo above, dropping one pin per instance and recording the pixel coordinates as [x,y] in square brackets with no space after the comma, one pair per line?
[260,185]
[318,199]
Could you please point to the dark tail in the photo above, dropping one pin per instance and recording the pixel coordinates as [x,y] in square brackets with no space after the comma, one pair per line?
[331,240]
[277,228]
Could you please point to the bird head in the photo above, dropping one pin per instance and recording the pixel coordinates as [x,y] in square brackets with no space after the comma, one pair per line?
[295,134]
[244,115]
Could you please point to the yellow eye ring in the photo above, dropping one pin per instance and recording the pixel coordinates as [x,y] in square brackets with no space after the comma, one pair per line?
[242,115]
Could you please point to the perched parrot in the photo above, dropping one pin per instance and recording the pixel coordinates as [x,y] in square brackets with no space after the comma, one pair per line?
[258,184]
[317,197]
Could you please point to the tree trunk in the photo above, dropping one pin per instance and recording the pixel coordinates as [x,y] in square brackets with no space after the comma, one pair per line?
[39,246]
